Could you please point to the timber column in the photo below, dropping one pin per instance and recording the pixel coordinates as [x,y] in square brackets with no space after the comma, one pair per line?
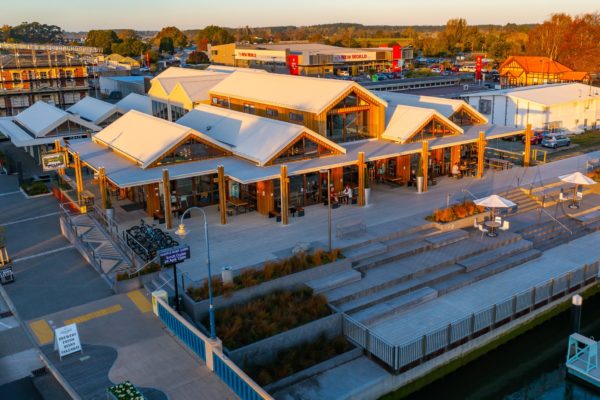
[361,178]
[102,185]
[527,152]
[58,149]
[480,154]
[167,198]
[78,180]
[284,194]
[425,163]
[222,194]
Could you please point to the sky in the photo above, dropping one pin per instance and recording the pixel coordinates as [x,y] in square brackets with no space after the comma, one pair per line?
[72,15]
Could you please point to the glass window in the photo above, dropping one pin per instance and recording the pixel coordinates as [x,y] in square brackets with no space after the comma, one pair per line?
[160,110]
[190,151]
[296,117]
[177,112]
[249,109]
[217,101]
[273,113]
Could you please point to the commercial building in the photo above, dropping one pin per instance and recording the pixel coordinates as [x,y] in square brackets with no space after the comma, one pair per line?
[527,70]
[52,74]
[311,59]
[264,141]
[571,106]
[121,86]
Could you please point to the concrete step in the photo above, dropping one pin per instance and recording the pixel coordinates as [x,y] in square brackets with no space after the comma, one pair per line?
[410,238]
[369,250]
[393,255]
[469,278]
[489,257]
[395,305]
[380,294]
[447,238]
[334,281]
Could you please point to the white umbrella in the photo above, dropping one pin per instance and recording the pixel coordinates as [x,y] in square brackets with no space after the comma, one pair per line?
[578,179]
[494,201]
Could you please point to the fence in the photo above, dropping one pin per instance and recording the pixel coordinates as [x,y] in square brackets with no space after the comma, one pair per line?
[433,343]
[223,367]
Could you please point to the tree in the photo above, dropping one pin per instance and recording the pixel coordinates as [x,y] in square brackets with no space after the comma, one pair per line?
[197,57]
[178,38]
[101,38]
[214,35]
[548,38]
[125,34]
[166,45]
[33,32]
[130,47]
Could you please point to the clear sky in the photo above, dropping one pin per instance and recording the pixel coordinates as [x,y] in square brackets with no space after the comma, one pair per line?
[74,15]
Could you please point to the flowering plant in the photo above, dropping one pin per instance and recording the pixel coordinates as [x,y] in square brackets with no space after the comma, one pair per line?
[125,391]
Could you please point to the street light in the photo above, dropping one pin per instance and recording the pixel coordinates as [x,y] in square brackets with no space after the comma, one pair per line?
[182,232]
[328,172]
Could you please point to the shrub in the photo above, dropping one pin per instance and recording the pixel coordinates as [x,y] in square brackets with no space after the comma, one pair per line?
[298,358]
[456,211]
[148,269]
[35,188]
[267,315]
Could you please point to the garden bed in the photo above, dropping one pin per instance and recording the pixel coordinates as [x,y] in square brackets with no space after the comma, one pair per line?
[270,270]
[125,391]
[298,358]
[266,316]
[34,189]
[455,212]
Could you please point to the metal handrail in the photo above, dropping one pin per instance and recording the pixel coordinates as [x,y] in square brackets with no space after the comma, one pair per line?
[143,266]
[557,221]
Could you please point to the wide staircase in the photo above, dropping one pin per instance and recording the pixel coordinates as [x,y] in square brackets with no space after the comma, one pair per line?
[100,248]
[520,197]
[399,271]
[163,281]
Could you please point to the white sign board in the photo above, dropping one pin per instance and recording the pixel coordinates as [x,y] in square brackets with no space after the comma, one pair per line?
[260,55]
[66,339]
[358,56]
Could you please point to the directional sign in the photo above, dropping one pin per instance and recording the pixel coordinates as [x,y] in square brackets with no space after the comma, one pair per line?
[67,340]
[6,274]
[174,255]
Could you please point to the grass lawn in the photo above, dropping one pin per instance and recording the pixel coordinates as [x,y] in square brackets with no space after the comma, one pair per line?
[586,143]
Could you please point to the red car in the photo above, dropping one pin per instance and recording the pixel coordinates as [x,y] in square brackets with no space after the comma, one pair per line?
[536,137]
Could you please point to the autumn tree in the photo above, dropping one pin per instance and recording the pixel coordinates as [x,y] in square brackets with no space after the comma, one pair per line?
[178,38]
[214,35]
[198,57]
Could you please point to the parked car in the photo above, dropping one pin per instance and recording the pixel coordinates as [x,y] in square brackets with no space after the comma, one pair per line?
[536,137]
[555,141]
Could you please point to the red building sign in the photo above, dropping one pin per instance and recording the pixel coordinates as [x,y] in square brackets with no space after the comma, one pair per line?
[293,64]
[478,63]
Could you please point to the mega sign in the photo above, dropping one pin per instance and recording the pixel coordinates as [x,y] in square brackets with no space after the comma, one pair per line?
[343,57]
[174,255]
[53,161]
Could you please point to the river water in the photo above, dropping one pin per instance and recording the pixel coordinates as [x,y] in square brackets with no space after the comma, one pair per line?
[528,367]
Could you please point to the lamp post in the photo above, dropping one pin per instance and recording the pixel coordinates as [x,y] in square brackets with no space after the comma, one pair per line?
[328,172]
[182,232]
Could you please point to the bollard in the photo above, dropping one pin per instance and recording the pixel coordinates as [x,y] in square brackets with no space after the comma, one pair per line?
[576,302]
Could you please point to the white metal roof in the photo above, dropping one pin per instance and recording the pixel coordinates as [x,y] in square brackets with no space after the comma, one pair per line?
[21,138]
[41,118]
[546,95]
[252,137]
[228,70]
[145,138]
[134,101]
[288,91]
[444,106]
[404,121]
[93,110]
[197,88]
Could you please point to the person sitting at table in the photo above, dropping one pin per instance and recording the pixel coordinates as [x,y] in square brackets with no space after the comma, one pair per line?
[456,170]
[332,195]
[347,192]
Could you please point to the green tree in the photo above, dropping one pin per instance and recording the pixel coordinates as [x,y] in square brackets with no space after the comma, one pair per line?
[197,57]
[214,35]
[124,34]
[102,38]
[130,47]
[166,45]
[178,38]
[34,32]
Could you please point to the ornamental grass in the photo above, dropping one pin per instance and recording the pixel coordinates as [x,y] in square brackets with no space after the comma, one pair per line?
[268,315]
[269,271]
[457,211]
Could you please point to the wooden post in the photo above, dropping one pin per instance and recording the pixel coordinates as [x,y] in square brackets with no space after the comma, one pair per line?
[58,149]
[102,186]
[283,184]
[480,154]
[425,163]
[361,178]
[167,198]
[527,152]
[222,194]
[78,180]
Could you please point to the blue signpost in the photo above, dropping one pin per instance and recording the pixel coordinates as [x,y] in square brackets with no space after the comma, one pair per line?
[173,256]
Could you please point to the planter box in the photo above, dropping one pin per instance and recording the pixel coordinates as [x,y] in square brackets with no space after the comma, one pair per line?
[265,351]
[27,196]
[315,369]
[197,310]
[461,223]
[133,284]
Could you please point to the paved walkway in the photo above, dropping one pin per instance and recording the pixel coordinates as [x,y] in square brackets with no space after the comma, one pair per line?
[252,238]
[123,340]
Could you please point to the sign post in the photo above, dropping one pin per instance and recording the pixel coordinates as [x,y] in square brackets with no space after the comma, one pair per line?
[66,340]
[173,256]
[53,161]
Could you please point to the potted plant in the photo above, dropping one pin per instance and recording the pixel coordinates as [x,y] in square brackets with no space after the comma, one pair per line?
[367,187]
[420,176]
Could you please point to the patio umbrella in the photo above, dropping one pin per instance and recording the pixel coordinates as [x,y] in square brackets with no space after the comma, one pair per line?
[494,201]
[578,179]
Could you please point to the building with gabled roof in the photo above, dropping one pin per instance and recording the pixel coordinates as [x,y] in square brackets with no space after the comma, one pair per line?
[135,101]
[534,70]
[95,111]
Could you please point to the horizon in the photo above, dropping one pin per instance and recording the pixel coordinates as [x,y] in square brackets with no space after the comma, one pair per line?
[152,15]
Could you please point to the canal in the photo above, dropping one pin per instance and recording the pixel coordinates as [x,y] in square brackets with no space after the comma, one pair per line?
[528,367]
